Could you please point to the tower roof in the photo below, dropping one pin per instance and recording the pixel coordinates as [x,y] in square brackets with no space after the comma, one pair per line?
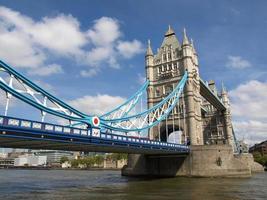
[170,41]
[169,32]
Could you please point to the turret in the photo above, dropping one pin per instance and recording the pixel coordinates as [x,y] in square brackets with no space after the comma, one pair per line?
[149,62]
[187,53]
[149,54]
[225,97]
[185,39]
[227,117]
[195,56]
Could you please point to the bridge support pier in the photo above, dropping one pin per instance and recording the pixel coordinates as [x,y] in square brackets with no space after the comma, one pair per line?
[203,161]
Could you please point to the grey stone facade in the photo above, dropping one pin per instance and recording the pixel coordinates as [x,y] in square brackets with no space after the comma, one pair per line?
[194,116]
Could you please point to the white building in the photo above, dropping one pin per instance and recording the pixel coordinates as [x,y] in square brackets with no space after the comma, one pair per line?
[3,155]
[30,160]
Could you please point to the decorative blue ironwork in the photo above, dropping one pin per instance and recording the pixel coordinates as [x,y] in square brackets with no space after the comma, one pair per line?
[150,117]
[32,94]
[125,108]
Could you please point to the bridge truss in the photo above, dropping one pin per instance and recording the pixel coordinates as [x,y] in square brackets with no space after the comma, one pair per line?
[109,126]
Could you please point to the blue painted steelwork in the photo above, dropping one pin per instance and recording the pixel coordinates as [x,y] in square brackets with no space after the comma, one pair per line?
[150,117]
[27,129]
[127,106]
[79,116]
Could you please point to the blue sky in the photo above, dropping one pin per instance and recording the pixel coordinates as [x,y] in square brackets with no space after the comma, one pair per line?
[229,36]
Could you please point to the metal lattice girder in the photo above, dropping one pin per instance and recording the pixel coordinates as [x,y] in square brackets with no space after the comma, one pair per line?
[150,117]
[15,84]
[124,109]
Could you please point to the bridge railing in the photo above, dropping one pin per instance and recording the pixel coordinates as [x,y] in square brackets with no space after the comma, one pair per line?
[94,133]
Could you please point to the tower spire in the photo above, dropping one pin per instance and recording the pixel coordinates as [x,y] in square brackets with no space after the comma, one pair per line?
[193,47]
[149,51]
[185,39]
[223,89]
[169,32]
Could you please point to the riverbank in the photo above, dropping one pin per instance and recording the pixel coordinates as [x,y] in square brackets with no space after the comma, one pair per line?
[59,168]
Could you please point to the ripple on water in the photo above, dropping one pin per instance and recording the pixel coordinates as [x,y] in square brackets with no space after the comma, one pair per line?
[84,185]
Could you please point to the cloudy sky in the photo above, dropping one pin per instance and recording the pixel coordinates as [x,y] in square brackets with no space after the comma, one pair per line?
[91,54]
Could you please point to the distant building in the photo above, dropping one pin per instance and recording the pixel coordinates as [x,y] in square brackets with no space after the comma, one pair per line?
[261,148]
[30,160]
[54,156]
[6,162]
[3,155]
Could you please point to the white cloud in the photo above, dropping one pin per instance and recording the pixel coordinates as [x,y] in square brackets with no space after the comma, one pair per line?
[89,72]
[97,105]
[29,43]
[249,100]
[17,49]
[129,49]
[248,103]
[47,70]
[252,131]
[61,34]
[104,32]
[237,62]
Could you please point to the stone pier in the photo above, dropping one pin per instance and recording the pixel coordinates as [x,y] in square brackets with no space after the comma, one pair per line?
[203,161]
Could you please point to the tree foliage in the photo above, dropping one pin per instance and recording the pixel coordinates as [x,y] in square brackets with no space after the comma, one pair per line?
[262,159]
[64,159]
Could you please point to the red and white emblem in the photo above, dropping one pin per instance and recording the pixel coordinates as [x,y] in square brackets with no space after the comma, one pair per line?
[96,121]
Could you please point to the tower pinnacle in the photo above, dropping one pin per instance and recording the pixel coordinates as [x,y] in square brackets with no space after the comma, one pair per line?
[223,89]
[185,39]
[149,51]
[193,47]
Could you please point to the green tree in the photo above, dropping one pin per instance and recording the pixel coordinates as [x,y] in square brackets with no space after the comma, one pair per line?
[75,163]
[117,156]
[98,159]
[63,159]
[262,159]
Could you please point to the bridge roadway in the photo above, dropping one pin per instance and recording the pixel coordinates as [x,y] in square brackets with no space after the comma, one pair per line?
[28,134]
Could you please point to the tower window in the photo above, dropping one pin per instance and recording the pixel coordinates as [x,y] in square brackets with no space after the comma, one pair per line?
[165,67]
[164,57]
[169,56]
[157,92]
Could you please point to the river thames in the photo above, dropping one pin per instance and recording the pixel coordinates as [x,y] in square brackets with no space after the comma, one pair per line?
[85,185]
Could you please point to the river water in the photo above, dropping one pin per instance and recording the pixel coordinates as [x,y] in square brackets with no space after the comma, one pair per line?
[87,185]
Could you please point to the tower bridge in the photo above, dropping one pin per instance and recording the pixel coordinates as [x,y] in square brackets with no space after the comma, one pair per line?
[183,128]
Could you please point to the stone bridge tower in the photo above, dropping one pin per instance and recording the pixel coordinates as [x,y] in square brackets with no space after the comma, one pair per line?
[205,113]
[164,70]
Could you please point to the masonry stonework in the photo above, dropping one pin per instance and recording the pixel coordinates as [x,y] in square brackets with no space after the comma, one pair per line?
[207,129]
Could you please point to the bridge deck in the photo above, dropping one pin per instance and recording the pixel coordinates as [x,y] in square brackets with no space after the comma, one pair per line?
[20,133]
